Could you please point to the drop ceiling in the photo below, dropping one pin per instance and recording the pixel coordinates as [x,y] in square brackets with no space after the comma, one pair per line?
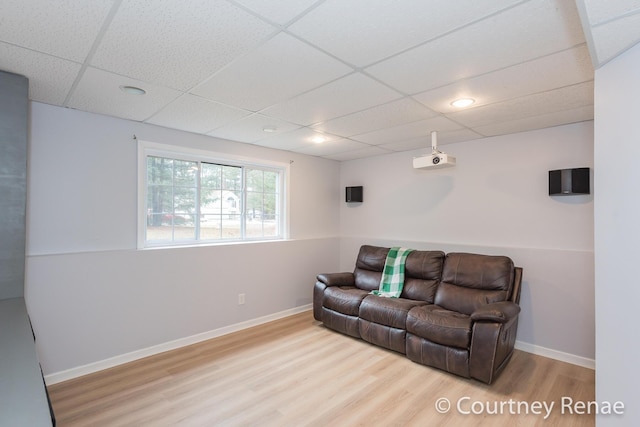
[370,76]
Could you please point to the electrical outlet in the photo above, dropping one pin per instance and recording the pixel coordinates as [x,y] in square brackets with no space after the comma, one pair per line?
[240,299]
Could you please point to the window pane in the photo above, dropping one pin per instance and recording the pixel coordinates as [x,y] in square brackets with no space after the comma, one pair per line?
[184,231]
[255,180]
[184,200]
[160,232]
[271,182]
[271,226]
[159,202]
[231,178]
[159,170]
[210,201]
[185,173]
[231,227]
[254,229]
[270,203]
[254,214]
[226,203]
[254,206]
[271,217]
[262,203]
[210,226]
[211,175]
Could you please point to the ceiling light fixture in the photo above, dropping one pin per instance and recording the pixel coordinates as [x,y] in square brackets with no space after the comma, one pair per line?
[269,129]
[132,90]
[318,139]
[463,102]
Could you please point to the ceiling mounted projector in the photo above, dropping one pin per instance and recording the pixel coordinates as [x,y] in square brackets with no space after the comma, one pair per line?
[436,160]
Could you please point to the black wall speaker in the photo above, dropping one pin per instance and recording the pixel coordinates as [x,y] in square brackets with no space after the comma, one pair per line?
[569,181]
[353,194]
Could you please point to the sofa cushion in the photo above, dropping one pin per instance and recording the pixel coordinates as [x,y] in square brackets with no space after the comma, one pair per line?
[369,266]
[472,280]
[488,272]
[440,325]
[366,279]
[371,258]
[344,299]
[425,265]
[418,289]
[465,300]
[423,270]
[387,311]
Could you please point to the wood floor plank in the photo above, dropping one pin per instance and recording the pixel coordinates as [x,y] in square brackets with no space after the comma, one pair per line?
[296,372]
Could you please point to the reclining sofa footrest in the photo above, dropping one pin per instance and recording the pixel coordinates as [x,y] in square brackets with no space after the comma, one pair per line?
[383,336]
[343,323]
[450,359]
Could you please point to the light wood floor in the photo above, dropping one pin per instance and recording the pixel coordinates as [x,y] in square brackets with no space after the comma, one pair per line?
[295,372]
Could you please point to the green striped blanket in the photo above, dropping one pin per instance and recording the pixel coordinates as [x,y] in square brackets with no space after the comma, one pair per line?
[393,274]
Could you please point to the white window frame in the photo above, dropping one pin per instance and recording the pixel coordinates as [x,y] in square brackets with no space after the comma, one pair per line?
[147,148]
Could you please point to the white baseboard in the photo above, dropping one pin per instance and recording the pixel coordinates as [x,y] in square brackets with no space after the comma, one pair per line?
[90,368]
[555,354]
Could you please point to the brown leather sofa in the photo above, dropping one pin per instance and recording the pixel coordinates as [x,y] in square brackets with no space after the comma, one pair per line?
[457,312]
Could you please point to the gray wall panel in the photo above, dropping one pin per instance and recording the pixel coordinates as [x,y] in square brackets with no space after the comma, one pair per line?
[14,109]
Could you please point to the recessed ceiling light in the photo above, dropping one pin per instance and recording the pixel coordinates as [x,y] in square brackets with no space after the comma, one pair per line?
[269,129]
[463,102]
[133,90]
[318,139]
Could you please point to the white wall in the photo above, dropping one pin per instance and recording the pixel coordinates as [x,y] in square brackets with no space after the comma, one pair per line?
[494,201]
[93,296]
[617,235]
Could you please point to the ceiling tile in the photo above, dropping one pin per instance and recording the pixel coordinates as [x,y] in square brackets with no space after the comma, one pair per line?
[375,34]
[99,92]
[615,37]
[421,128]
[64,28]
[575,115]
[393,113]
[195,114]
[358,154]
[444,138]
[519,34]
[251,128]
[552,101]
[287,64]
[604,10]
[332,147]
[556,70]
[293,140]
[347,95]
[50,78]
[164,42]
[409,144]
[278,11]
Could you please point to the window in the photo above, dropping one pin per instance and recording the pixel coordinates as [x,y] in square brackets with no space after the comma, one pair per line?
[189,197]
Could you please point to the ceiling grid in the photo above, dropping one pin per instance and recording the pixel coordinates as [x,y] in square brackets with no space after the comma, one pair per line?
[371,76]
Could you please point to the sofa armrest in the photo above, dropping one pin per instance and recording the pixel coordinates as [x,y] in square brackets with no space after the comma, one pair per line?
[501,312]
[337,279]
